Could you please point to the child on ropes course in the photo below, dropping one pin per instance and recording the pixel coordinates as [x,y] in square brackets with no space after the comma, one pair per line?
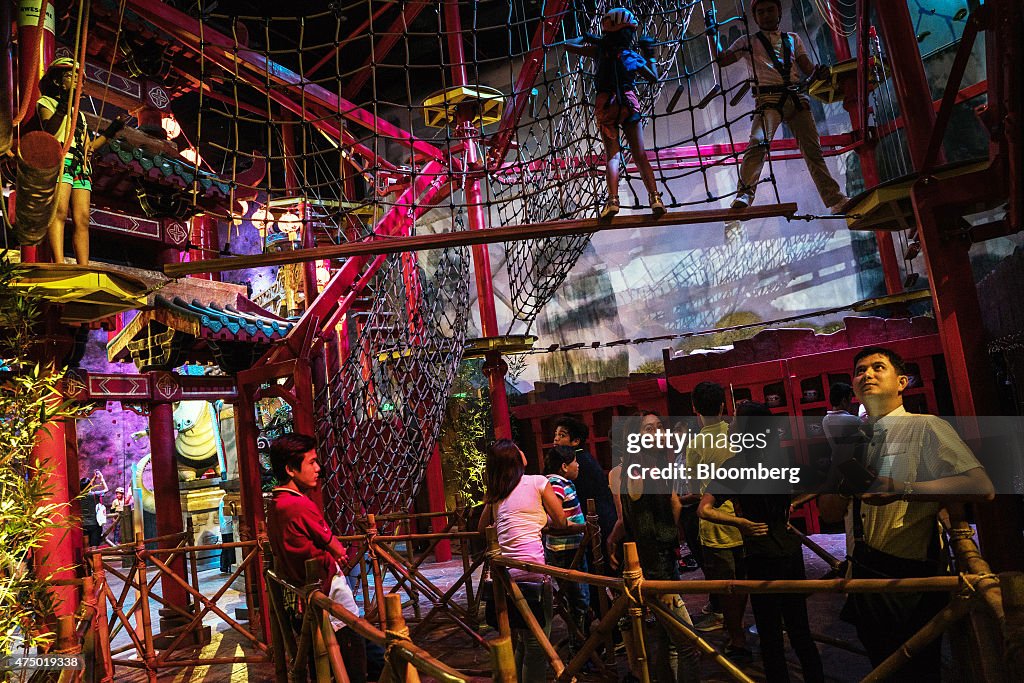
[770,64]
[617,105]
[74,187]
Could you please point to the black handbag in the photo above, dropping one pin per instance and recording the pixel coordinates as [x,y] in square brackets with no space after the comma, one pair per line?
[538,596]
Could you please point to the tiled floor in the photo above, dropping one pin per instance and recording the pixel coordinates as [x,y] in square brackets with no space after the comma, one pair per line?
[452,646]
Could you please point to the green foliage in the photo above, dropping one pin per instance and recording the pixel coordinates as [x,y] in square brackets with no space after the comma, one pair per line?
[29,400]
[650,367]
[466,426]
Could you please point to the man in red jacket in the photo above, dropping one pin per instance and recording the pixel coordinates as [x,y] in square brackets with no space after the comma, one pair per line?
[298,532]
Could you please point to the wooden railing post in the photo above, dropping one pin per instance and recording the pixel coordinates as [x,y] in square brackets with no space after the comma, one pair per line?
[378,578]
[283,645]
[500,603]
[632,577]
[503,660]
[314,578]
[149,656]
[413,593]
[461,511]
[597,552]
[397,632]
[102,627]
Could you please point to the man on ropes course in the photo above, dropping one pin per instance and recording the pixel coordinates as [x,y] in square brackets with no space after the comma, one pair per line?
[74,188]
[779,98]
[617,105]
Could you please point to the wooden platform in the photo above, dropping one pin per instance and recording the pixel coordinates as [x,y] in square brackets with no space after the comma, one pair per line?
[888,207]
[509,233]
[87,293]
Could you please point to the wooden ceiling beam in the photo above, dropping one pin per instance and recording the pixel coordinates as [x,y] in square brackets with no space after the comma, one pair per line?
[510,233]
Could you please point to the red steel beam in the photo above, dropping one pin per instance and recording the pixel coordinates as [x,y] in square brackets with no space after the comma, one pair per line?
[956,75]
[356,32]
[912,88]
[851,87]
[542,36]
[494,367]
[339,294]
[224,51]
[381,50]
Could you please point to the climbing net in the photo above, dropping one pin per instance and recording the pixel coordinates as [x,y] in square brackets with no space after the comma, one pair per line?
[379,119]
[379,416]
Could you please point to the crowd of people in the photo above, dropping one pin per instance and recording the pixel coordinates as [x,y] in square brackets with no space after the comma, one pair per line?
[99,519]
[916,464]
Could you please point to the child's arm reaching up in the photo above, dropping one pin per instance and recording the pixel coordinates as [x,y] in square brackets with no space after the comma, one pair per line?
[580,46]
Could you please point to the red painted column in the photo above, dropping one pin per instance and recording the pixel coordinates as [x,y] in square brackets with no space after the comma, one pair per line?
[912,88]
[57,550]
[204,242]
[494,367]
[167,497]
[252,522]
[868,162]
[954,294]
[436,503]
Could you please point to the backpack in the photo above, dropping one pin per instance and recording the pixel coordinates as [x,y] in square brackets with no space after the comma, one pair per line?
[630,62]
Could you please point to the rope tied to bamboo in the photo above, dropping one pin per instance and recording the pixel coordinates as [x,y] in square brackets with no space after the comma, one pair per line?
[632,582]
[970,587]
[961,534]
[393,638]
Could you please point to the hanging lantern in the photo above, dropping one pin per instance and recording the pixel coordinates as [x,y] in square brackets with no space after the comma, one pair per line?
[261,220]
[171,127]
[192,155]
[290,224]
[323,273]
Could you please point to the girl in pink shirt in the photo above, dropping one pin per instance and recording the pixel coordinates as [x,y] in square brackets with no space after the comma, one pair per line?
[519,505]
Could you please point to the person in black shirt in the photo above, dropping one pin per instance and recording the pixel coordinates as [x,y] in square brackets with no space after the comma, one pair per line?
[592,481]
[772,551]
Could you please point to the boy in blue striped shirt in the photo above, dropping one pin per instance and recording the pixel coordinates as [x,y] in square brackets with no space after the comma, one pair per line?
[561,468]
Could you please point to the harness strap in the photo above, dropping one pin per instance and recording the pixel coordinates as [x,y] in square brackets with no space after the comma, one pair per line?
[784,66]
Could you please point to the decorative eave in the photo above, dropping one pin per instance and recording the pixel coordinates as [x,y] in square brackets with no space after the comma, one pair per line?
[233,335]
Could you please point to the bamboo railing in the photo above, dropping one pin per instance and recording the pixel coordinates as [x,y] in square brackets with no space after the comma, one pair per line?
[393,566]
[130,611]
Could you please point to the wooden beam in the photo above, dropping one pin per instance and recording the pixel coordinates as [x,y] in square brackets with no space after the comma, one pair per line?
[509,233]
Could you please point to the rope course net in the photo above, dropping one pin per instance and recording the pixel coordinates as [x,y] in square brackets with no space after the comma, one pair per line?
[380,119]
[379,414]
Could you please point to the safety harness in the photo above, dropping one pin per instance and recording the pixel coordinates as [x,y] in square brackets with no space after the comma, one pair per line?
[784,65]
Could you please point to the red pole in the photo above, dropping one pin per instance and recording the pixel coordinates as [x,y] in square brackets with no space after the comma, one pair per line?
[494,366]
[204,241]
[868,162]
[56,553]
[168,499]
[912,90]
[253,518]
[954,295]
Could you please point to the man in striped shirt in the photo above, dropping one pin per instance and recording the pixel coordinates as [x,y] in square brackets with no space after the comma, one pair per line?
[561,468]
